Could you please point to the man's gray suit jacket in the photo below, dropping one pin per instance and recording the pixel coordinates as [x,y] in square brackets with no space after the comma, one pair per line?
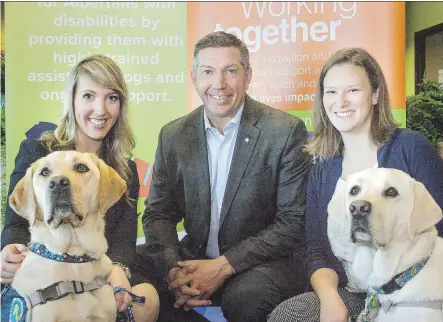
[263,211]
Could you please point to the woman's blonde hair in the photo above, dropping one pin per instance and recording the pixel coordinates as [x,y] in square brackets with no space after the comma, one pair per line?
[326,140]
[117,145]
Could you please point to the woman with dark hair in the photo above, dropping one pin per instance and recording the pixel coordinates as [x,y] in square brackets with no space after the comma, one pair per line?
[353,131]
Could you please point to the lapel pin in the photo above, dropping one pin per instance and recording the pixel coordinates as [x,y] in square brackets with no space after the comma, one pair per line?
[247,140]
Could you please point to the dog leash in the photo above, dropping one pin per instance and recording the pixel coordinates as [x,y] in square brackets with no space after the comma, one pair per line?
[130,315]
[373,304]
[435,305]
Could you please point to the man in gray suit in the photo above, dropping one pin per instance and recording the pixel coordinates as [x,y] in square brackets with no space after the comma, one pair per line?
[234,169]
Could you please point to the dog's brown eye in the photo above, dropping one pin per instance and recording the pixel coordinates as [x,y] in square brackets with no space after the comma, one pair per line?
[354,190]
[45,172]
[81,167]
[391,192]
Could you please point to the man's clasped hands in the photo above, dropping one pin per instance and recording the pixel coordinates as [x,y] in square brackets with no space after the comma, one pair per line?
[194,281]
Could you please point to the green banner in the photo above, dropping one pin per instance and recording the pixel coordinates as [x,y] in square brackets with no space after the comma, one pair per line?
[45,39]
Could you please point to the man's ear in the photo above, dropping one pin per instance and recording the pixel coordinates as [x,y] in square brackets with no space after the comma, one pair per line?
[425,214]
[193,76]
[111,187]
[22,199]
[248,75]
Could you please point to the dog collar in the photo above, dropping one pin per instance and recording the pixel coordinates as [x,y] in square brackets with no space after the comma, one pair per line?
[399,280]
[42,251]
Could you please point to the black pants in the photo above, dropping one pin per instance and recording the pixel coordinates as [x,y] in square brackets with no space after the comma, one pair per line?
[146,269]
[249,296]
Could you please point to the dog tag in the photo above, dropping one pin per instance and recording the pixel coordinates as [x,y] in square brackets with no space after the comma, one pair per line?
[365,317]
[371,308]
[373,301]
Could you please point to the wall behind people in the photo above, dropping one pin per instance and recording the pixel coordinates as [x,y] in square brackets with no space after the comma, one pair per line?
[290,41]
[419,16]
[153,44]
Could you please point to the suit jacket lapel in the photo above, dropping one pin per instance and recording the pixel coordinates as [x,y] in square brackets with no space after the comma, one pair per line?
[200,172]
[246,139]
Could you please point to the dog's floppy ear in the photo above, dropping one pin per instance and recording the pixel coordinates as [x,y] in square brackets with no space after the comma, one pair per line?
[111,187]
[425,213]
[22,199]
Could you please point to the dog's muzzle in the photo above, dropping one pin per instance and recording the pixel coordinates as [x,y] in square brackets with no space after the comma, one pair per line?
[360,211]
[62,209]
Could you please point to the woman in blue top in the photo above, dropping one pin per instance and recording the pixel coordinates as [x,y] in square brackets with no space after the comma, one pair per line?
[353,131]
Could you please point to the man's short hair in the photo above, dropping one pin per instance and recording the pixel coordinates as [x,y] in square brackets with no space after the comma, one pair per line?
[221,39]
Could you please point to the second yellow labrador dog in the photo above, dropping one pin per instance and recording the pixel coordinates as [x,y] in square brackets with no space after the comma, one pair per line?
[381,224]
[64,275]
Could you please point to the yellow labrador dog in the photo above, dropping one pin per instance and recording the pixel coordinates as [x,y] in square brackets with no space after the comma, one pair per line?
[64,275]
[381,226]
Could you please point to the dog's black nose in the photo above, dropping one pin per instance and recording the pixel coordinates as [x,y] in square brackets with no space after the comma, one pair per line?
[59,182]
[360,208]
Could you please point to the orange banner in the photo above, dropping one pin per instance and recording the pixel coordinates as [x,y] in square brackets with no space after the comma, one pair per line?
[290,41]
